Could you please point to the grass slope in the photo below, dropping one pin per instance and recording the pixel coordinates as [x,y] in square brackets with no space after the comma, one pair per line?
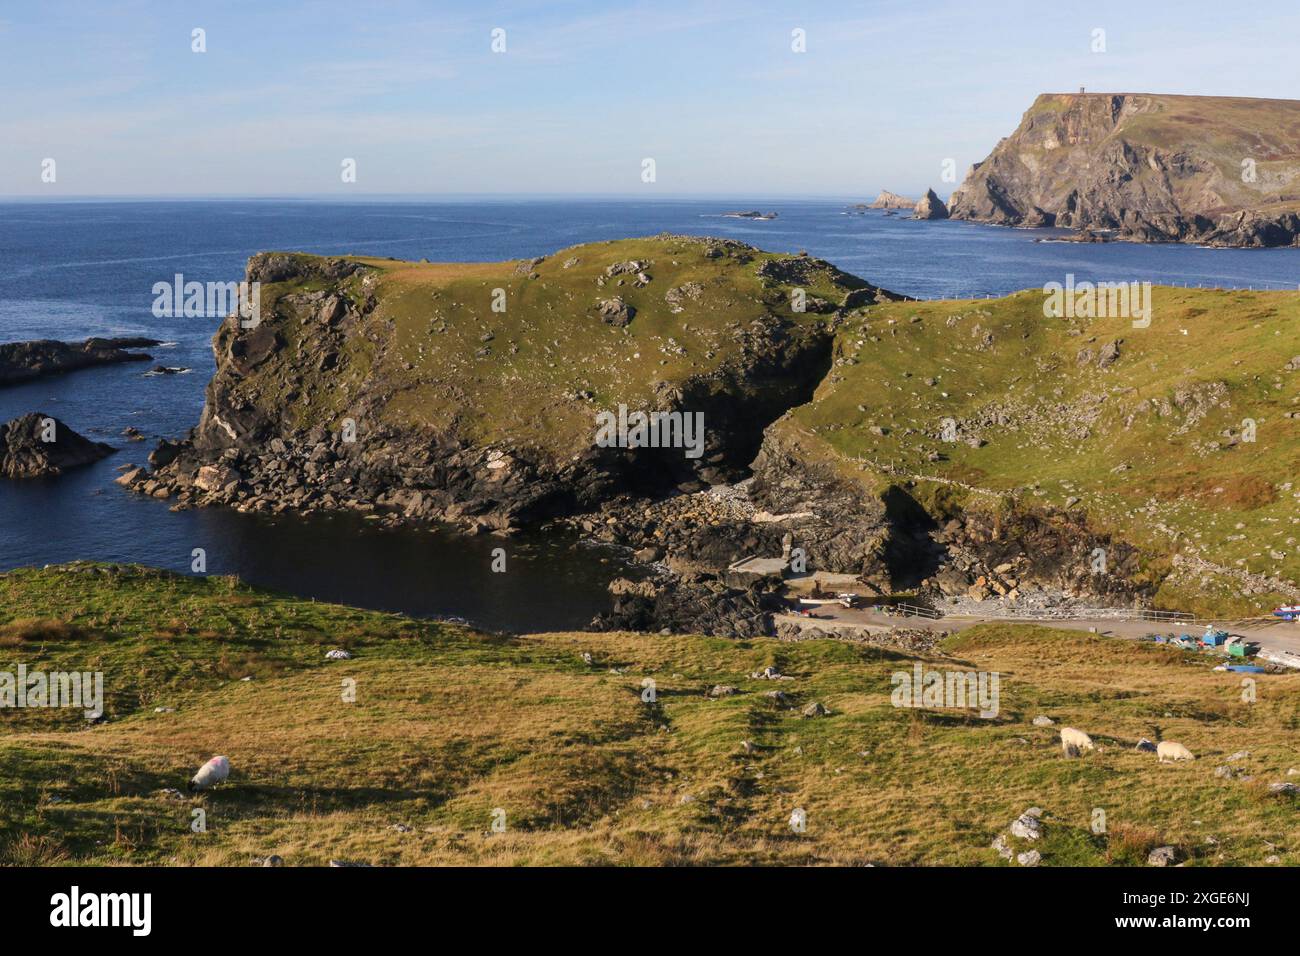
[450,724]
[529,364]
[1152,445]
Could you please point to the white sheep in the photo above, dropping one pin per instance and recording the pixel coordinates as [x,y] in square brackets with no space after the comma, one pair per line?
[213,772]
[1174,751]
[1074,742]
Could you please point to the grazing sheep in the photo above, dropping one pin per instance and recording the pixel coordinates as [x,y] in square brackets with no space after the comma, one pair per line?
[213,772]
[1167,748]
[1074,742]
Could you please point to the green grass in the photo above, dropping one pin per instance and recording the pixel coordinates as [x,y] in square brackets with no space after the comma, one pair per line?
[450,724]
[550,361]
[1067,427]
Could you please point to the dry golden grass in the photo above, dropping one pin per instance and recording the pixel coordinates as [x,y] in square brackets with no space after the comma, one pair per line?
[34,630]
[448,727]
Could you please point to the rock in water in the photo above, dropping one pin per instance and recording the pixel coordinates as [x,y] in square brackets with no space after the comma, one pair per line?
[888,200]
[37,445]
[930,207]
[24,361]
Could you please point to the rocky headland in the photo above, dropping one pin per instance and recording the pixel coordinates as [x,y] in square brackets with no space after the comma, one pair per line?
[1219,171]
[846,429]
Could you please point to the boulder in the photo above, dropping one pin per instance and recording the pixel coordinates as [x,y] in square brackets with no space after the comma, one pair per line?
[615,311]
[1027,826]
[1162,856]
[212,478]
[38,445]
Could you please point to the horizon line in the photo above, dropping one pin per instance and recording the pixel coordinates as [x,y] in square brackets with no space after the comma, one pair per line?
[465,196]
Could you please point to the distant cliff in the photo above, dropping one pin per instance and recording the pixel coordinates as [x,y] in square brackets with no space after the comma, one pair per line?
[888,200]
[1146,167]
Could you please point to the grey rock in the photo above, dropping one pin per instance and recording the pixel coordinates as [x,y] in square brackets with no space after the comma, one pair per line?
[1027,827]
[24,452]
[1162,856]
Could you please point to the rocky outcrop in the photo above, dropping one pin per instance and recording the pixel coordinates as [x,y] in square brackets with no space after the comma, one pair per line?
[690,603]
[930,206]
[888,200]
[25,361]
[615,311]
[253,452]
[1148,168]
[989,555]
[37,445]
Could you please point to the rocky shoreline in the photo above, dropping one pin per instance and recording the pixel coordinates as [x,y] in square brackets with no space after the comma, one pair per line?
[749,494]
[27,361]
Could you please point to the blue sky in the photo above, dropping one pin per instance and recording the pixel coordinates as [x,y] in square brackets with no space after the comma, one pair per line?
[711,90]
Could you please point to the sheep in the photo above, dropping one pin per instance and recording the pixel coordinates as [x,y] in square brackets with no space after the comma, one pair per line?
[1074,742]
[213,772]
[1174,751]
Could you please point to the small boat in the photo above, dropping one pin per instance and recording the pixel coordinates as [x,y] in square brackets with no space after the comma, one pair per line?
[1288,612]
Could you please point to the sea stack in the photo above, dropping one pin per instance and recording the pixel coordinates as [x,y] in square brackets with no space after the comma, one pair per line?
[888,200]
[930,207]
